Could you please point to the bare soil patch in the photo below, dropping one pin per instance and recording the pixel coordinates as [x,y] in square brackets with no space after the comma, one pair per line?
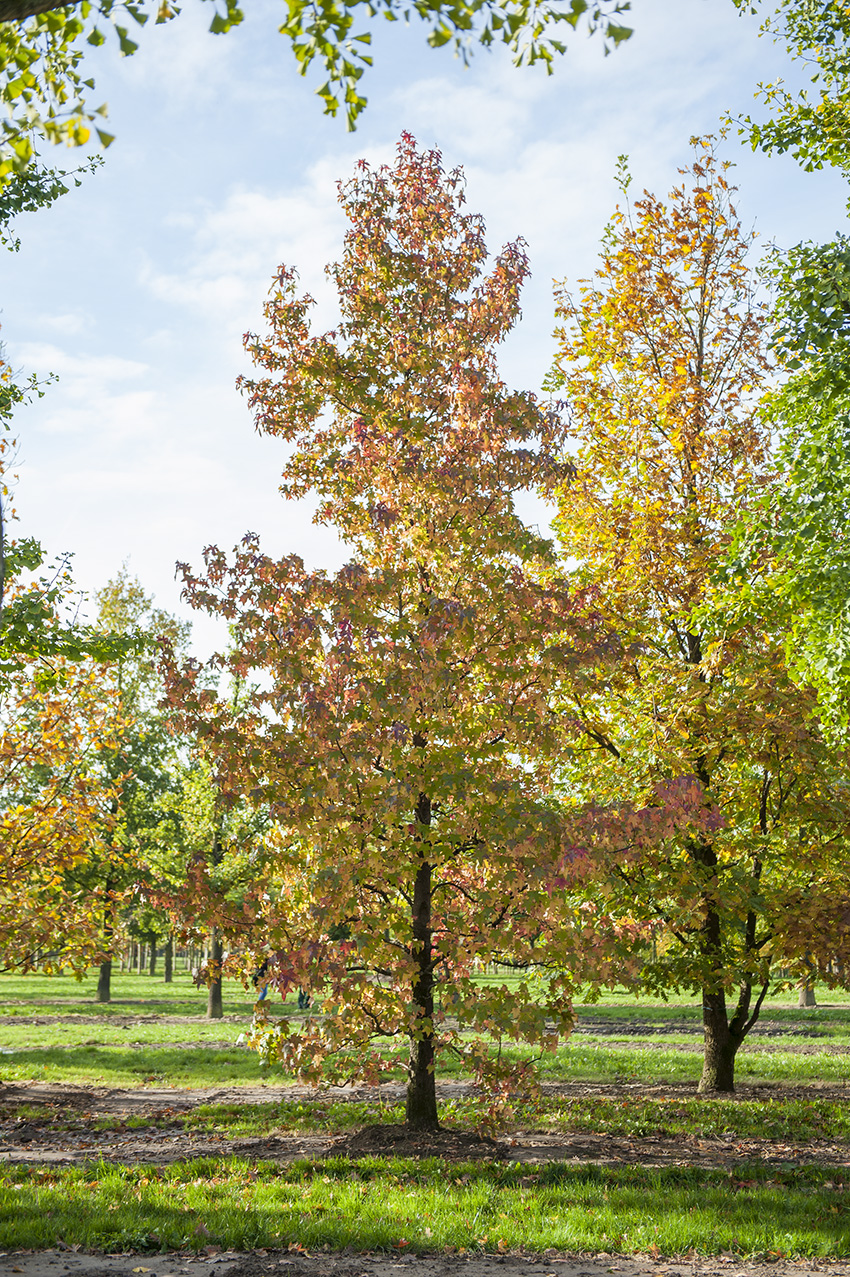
[283,1264]
[396,1141]
[67,1130]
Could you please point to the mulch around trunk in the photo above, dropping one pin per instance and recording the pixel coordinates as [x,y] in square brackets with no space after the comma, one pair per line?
[398,1141]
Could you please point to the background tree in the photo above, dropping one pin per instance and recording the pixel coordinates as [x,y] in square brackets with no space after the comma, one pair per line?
[223,874]
[663,358]
[402,726]
[140,769]
[55,804]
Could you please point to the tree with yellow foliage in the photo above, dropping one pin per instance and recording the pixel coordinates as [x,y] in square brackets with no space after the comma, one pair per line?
[662,356]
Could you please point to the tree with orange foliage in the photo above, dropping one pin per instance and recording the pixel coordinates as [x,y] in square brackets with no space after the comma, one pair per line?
[662,356]
[401,720]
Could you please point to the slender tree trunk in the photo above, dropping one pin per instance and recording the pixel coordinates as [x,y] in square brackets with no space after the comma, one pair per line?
[104,981]
[169,960]
[140,958]
[807,986]
[214,999]
[421,1105]
[152,954]
[719,1047]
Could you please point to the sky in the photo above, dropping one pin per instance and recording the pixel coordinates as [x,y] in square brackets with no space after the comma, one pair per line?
[135,289]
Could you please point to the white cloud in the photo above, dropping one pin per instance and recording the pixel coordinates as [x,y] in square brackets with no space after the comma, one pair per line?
[235,249]
[70,324]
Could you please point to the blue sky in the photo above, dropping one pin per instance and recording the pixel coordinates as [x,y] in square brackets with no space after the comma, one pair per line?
[136,288]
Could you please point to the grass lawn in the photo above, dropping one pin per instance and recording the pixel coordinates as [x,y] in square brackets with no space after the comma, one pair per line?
[425,1206]
[154,1034]
[135,1041]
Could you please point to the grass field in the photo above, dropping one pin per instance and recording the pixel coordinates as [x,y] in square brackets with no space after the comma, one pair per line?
[384,1205]
[153,1034]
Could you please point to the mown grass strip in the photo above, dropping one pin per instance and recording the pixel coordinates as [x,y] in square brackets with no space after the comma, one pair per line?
[201,1066]
[426,1207]
[773,1119]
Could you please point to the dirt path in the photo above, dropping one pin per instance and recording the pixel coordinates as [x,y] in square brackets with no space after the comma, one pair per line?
[281,1264]
[64,1130]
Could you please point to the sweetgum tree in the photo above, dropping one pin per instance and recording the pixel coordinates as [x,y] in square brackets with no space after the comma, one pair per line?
[401,726]
[663,357]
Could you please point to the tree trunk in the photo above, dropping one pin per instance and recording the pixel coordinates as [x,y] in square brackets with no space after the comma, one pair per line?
[104,979]
[152,954]
[807,986]
[421,1106]
[214,999]
[140,958]
[718,1065]
[169,960]
[807,994]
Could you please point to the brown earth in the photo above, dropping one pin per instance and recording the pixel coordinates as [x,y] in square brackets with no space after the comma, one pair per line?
[282,1264]
[67,1131]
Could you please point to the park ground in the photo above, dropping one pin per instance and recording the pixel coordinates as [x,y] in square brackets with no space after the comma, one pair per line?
[140,1138]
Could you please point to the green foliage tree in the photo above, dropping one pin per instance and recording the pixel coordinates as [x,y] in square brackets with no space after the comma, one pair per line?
[221,873]
[813,126]
[790,559]
[44,83]
[141,769]
[663,358]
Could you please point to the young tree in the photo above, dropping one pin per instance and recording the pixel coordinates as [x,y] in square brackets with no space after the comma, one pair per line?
[663,359]
[141,768]
[403,725]
[55,804]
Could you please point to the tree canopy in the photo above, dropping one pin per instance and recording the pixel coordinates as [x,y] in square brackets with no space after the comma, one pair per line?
[45,84]
[403,724]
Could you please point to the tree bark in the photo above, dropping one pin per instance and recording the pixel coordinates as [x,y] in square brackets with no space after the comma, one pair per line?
[104,982]
[807,986]
[807,995]
[718,1065]
[169,960]
[421,1104]
[152,954]
[214,998]
[104,979]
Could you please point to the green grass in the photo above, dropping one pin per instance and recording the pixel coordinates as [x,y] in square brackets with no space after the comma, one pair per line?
[429,1206]
[791,1121]
[400,1206]
[117,1067]
[131,995]
[95,1048]
[200,1066]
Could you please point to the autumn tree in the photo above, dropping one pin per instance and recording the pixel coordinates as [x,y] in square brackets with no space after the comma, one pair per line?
[55,804]
[662,355]
[402,725]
